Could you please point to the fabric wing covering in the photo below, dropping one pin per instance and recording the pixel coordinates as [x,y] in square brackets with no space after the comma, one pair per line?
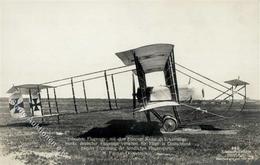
[35,105]
[16,106]
[151,57]
[236,82]
[24,89]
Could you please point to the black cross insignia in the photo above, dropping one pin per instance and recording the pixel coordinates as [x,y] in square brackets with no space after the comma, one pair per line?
[34,105]
[16,106]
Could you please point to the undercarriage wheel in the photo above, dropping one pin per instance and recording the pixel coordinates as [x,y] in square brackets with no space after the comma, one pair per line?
[170,123]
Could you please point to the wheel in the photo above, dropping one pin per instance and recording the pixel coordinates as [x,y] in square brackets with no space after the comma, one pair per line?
[170,124]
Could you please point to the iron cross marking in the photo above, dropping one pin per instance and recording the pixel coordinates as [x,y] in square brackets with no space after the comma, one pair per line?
[34,105]
[16,106]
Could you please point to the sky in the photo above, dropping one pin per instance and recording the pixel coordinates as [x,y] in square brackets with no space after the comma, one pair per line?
[43,40]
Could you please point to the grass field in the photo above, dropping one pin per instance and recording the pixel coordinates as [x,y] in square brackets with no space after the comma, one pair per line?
[103,136]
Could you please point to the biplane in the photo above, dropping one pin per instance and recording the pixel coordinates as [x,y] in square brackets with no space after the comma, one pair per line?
[160,57]
[146,99]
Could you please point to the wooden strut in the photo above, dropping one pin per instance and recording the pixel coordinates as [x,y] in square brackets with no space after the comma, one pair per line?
[232,98]
[222,94]
[107,87]
[227,117]
[175,85]
[142,85]
[172,64]
[93,78]
[86,74]
[243,87]
[134,94]
[237,93]
[56,104]
[30,94]
[156,114]
[174,93]
[85,96]
[48,99]
[203,82]
[245,92]
[73,94]
[114,89]
[40,100]
[141,79]
[204,78]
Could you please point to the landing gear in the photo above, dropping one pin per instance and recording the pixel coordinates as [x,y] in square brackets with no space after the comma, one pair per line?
[170,123]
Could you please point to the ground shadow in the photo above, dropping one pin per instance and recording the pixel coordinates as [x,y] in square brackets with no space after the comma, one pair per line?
[122,128]
[209,128]
[201,127]
[22,125]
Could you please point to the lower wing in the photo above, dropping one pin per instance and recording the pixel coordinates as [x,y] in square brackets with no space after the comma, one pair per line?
[152,105]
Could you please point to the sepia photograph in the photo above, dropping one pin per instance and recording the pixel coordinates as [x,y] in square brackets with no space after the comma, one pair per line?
[129,82]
